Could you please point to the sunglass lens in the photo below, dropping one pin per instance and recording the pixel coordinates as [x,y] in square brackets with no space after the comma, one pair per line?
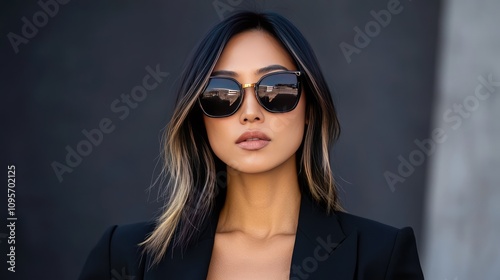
[221,97]
[279,92]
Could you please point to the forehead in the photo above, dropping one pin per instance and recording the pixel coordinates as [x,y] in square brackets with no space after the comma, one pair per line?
[252,50]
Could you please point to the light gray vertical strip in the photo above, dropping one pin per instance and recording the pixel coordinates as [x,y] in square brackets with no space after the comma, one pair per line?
[462,235]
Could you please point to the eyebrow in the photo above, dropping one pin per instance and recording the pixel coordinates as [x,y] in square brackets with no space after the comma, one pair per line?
[260,71]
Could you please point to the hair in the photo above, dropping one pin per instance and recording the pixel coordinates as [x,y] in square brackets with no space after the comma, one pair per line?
[190,164]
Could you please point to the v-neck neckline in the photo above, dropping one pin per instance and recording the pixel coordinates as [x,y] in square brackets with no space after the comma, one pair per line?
[318,235]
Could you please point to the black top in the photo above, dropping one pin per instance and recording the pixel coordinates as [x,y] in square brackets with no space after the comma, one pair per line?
[336,246]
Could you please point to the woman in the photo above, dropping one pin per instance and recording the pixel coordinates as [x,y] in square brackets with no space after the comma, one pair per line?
[251,193]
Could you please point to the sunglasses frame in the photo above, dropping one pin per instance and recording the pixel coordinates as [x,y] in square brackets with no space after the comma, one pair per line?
[242,88]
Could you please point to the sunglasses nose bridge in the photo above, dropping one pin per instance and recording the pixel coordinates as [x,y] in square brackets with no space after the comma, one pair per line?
[250,86]
[244,86]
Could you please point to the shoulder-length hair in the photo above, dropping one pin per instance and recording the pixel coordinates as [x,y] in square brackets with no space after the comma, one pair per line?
[190,164]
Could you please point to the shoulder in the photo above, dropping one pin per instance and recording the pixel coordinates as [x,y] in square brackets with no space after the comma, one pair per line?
[131,233]
[117,252]
[350,222]
[373,234]
[383,244]
[125,239]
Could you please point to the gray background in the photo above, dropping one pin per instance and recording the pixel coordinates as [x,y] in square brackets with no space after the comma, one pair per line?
[65,78]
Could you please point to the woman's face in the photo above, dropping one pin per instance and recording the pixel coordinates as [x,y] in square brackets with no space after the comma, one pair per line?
[270,139]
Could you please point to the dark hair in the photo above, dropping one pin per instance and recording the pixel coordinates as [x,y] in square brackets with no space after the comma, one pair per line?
[190,164]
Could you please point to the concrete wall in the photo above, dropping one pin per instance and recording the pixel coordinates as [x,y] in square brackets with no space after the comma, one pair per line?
[463,199]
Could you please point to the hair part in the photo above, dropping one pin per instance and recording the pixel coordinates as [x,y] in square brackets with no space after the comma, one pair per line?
[191,166]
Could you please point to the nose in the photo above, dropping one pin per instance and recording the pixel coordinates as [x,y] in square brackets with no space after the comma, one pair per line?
[250,110]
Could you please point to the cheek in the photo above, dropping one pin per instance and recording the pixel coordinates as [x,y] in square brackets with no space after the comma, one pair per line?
[217,134]
[219,138]
[290,123]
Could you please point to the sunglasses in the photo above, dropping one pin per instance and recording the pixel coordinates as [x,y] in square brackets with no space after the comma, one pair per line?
[277,92]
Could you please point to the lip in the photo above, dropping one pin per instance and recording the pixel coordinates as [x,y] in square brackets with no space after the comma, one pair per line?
[253,140]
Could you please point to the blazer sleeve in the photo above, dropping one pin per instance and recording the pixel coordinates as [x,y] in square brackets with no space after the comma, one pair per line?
[404,262]
[98,264]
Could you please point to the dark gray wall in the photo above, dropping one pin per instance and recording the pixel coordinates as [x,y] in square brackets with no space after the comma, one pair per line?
[65,78]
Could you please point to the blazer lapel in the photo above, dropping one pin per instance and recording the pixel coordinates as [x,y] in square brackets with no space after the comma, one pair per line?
[192,263]
[322,250]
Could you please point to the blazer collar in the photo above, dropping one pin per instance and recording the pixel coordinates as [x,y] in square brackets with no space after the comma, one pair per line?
[321,249]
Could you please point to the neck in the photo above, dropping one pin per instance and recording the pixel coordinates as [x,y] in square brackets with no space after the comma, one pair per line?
[262,205]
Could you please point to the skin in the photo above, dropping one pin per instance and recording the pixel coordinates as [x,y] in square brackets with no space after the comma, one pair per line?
[257,224]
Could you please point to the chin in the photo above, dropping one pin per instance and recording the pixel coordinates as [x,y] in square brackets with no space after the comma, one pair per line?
[256,167]
[250,169]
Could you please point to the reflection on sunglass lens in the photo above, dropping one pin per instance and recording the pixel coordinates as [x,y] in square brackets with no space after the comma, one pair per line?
[279,92]
[221,97]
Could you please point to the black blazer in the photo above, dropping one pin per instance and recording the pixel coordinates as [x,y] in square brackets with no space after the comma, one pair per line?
[338,246]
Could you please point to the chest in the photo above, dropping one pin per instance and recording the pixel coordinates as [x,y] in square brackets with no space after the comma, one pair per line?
[238,257]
